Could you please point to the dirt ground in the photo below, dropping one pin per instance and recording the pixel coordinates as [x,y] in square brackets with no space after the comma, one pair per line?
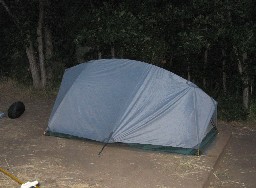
[57,162]
[237,166]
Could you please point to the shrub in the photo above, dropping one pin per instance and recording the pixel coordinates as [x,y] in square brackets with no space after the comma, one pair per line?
[252,111]
[230,109]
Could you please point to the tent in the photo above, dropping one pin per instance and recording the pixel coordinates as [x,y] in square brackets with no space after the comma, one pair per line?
[128,101]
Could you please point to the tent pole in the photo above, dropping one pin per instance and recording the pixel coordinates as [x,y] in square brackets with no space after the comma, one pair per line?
[196,120]
[106,143]
[99,154]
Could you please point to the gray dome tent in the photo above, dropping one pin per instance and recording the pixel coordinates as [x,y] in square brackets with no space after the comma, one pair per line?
[127,101]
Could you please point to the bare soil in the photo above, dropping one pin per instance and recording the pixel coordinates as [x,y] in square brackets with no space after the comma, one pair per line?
[58,162]
[237,167]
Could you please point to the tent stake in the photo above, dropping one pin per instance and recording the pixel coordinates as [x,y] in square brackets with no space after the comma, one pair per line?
[99,154]
[106,143]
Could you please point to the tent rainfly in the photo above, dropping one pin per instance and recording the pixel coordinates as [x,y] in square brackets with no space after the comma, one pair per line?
[128,101]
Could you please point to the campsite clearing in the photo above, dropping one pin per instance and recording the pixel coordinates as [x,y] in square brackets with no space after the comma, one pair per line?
[59,162]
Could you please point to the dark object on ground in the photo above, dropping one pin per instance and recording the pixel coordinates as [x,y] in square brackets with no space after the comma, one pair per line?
[16,110]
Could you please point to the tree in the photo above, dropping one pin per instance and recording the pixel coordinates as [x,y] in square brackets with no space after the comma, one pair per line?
[27,32]
[124,32]
[242,32]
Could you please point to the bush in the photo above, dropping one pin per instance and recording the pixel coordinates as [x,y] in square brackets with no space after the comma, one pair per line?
[55,72]
[252,112]
[230,109]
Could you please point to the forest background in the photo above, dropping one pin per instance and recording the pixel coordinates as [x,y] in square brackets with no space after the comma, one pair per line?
[209,42]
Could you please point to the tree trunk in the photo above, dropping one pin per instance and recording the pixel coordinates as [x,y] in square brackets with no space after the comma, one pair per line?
[121,53]
[171,61]
[48,39]
[245,79]
[112,52]
[188,72]
[48,53]
[205,64]
[48,43]
[252,84]
[30,51]
[246,96]
[41,44]
[33,65]
[99,53]
[10,14]
[224,75]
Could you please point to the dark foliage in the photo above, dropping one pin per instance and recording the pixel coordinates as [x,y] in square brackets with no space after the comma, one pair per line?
[174,35]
